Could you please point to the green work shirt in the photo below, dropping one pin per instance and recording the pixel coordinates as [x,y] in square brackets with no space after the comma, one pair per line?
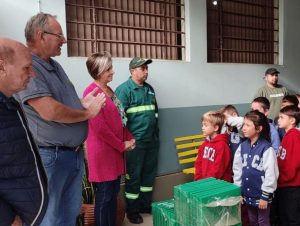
[140,106]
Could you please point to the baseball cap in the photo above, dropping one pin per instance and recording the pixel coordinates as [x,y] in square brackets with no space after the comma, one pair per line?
[271,71]
[138,61]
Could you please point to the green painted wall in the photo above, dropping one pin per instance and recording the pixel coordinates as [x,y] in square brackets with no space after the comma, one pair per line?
[178,122]
[184,89]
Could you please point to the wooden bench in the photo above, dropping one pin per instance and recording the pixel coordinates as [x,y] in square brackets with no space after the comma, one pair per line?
[187,151]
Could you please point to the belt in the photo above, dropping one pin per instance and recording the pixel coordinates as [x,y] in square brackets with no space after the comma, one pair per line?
[65,148]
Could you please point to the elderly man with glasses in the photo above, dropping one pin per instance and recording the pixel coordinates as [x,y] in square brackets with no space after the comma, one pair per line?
[57,118]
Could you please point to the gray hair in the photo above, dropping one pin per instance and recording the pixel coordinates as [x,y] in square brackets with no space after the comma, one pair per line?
[98,63]
[36,23]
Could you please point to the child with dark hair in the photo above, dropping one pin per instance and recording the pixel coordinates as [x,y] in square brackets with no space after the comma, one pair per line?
[255,168]
[288,100]
[232,126]
[229,110]
[262,105]
[288,191]
[214,156]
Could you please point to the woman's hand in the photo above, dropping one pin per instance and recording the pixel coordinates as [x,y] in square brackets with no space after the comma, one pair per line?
[129,144]
[132,143]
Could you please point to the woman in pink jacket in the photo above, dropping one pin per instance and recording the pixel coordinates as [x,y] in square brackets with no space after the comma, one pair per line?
[107,141]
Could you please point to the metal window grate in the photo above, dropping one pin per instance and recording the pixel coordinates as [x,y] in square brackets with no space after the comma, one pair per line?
[243,31]
[126,28]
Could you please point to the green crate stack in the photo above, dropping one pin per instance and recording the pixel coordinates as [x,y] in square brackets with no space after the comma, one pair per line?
[163,213]
[184,211]
[220,213]
[191,202]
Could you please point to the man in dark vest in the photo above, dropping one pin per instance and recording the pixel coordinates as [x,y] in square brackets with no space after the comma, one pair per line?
[23,182]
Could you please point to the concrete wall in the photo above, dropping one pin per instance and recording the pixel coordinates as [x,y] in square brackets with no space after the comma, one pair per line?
[184,89]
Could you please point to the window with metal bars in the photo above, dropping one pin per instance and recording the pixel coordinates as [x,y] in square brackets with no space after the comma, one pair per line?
[126,28]
[243,31]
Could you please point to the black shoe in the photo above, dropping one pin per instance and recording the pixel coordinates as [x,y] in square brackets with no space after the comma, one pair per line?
[135,218]
[146,210]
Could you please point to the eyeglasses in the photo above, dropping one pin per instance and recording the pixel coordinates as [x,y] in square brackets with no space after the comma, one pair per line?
[59,36]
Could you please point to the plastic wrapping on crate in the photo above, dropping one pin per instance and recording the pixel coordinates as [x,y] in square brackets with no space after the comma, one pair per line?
[207,202]
[223,212]
[163,213]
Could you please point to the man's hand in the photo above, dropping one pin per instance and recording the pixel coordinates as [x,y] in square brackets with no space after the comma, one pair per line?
[262,204]
[89,98]
[93,104]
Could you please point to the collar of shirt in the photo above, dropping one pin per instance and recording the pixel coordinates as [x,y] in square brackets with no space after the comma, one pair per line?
[254,145]
[49,66]
[133,85]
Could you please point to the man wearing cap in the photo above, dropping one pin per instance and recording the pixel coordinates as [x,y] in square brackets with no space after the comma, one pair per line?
[138,100]
[272,91]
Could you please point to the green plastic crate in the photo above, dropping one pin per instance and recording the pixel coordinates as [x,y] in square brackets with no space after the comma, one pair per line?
[194,203]
[164,214]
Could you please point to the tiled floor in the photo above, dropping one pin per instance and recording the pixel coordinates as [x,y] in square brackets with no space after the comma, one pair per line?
[147,221]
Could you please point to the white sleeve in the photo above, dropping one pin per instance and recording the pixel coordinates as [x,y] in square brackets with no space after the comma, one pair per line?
[270,167]
[224,129]
[235,121]
[237,167]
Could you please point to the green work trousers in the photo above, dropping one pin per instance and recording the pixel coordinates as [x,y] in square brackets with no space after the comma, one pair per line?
[141,165]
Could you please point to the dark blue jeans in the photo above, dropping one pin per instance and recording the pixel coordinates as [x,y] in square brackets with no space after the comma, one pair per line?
[106,194]
[64,169]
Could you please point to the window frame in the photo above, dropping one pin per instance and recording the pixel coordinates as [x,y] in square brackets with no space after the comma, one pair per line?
[84,38]
[263,49]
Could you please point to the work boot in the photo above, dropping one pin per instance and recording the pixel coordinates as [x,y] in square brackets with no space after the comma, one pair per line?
[135,218]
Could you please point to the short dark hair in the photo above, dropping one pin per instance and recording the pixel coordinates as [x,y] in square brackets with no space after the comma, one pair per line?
[259,119]
[291,99]
[272,71]
[292,111]
[263,101]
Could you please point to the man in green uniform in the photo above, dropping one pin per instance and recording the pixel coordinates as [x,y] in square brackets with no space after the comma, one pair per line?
[138,100]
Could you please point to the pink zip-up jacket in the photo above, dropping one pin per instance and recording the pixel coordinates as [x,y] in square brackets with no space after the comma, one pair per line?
[105,142]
